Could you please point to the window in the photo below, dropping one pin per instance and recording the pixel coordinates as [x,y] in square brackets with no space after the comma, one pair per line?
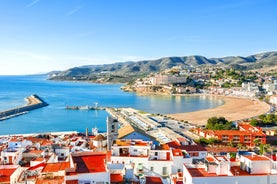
[62,154]
[156,153]
[152,168]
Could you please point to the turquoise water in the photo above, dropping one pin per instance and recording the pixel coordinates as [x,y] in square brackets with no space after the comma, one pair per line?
[13,90]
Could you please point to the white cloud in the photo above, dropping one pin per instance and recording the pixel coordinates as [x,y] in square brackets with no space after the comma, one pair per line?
[73,11]
[34,2]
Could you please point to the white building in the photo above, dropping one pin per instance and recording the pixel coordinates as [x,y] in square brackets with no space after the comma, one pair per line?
[252,169]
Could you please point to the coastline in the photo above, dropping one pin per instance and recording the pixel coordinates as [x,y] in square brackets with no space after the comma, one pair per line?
[234,108]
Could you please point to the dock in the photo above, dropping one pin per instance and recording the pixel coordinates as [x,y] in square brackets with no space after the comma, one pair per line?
[34,102]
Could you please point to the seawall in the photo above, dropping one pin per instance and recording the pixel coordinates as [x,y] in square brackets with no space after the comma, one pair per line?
[34,102]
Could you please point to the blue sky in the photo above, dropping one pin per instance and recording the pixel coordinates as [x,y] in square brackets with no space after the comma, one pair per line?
[38,36]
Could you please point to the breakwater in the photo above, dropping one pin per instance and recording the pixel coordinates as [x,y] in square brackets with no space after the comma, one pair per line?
[34,102]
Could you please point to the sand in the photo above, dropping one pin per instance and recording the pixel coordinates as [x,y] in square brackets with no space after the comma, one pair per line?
[233,109]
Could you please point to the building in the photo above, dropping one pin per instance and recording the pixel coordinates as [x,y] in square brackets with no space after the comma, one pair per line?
[161,79]
[112,130]
[9,174]
[246,135]
[252,169]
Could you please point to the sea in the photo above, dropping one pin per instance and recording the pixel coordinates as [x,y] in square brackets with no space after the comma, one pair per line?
[59,94]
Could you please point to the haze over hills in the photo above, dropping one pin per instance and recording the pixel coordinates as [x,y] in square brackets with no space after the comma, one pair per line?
[131,68]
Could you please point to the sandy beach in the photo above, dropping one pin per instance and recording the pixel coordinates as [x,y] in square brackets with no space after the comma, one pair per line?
[232,109]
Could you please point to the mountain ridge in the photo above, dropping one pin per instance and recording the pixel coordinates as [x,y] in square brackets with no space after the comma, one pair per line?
[90,72]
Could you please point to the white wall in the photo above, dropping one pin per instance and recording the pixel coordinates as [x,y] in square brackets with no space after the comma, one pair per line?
[158,166]
[92,177]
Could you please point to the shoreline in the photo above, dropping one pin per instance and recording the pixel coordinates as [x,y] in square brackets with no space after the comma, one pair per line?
[233,109]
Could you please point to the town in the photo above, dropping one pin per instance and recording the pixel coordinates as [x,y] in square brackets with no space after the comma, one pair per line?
[141,148]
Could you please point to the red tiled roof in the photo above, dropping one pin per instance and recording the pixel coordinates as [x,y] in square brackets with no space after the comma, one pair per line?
[56,180]
[221,149]
[55,167]
[116,178]
[210,159]
[200,172]
[153,180]
[177,152]
[71,181]
[37,166]
[196,147]
[256,157]
[5,174]
[174,144]
[89,162]
[230,132]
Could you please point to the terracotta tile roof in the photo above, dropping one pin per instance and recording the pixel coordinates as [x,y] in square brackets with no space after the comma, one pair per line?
[163,147]
[153,180]
[126,130]
[177,152]
[56,180]
[100,137]
[37,166]
[256,157]
[36,152]
[116,178]
[129,142]
[221,149]
[89,162]
[200,172]
[230,132]
[71,181]
[5,173]
[210,159]
[174,144]
[55,167]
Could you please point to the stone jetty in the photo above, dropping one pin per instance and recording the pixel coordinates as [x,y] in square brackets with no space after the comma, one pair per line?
[34,102]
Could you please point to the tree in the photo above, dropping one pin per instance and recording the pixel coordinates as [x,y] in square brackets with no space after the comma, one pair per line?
[254,122]
[264,148]
[220,123]
[257,141]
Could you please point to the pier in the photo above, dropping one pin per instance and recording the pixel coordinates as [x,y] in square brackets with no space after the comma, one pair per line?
[34,102]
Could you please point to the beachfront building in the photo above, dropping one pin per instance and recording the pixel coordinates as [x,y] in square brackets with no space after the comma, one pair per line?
[161,79]
[246,135]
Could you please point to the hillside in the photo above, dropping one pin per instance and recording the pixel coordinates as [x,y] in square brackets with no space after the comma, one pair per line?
[126,71]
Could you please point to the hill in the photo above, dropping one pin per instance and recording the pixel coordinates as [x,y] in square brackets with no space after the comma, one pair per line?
[126,71]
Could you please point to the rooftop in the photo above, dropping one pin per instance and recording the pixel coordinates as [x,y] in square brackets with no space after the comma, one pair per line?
[256,157]
[129,142]
[89,163]
[200,172]
[55,167]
